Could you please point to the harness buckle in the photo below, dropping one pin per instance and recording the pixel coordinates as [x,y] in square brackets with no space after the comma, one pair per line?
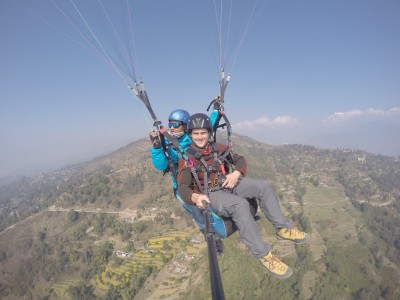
[213,183]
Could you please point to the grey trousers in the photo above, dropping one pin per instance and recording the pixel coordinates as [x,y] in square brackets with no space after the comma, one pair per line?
[233,203]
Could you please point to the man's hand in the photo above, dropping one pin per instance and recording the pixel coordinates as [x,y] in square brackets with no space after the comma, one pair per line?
[231,180]
[199,198]
[217,103]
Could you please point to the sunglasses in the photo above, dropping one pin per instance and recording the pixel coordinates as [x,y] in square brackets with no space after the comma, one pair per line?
[175,125]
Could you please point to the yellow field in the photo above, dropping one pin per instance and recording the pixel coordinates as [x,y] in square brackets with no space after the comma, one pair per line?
[140,260]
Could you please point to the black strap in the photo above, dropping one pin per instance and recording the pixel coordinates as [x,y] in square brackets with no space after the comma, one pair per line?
[218,166]
[174,143]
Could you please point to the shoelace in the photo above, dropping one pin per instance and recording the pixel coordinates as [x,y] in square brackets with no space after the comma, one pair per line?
[294,232]
[275,263]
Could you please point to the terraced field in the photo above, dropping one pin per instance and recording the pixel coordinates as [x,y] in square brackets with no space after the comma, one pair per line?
[60,289]
[159,251]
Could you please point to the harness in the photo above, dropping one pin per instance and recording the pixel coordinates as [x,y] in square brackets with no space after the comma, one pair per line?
[218,166]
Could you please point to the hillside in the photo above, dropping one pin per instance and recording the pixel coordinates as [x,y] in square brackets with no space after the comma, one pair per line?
[80,232]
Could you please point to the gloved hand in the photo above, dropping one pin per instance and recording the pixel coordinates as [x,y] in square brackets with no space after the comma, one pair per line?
[155,139]
[217,103]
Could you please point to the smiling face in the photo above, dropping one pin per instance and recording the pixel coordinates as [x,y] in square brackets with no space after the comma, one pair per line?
[200,137]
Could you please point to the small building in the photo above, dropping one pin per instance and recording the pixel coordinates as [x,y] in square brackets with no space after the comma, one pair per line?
[190,256]
[124,254]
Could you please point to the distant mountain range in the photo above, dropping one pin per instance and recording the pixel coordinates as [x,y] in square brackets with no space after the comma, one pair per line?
[374,137]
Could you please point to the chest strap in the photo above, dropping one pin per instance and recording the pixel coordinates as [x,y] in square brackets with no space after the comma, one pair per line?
[218,166]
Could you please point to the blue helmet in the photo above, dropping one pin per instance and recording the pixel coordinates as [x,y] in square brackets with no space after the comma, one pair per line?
[180,115]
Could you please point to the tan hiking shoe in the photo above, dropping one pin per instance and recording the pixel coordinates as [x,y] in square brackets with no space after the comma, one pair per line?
[293,234]
[275,266]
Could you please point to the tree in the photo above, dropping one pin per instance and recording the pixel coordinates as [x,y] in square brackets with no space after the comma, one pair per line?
[104,252]
[42,235]
[79,233]
[315,180]
[112,293]
[116,203]
[139,227]
[73,215]
[82,292]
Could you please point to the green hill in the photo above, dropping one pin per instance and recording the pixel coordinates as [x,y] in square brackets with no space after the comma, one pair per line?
[80,232]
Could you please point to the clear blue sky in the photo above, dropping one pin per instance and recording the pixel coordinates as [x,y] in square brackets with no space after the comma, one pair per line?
[324,73]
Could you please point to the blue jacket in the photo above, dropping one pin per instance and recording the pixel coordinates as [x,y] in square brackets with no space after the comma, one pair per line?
[213,117]
[160,161]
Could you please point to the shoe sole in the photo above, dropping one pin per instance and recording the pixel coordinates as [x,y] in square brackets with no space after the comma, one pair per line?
[298,242]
